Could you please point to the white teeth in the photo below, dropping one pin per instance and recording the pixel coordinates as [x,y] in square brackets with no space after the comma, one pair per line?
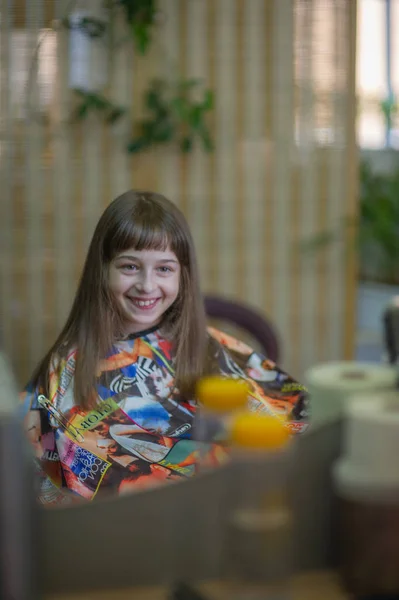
[144,302]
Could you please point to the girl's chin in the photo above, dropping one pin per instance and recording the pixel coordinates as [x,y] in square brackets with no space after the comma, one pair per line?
[134,325]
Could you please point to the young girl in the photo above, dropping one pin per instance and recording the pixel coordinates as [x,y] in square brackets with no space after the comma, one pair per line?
[111,405]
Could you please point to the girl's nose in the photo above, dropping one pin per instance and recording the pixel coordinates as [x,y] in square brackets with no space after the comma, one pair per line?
[145,283]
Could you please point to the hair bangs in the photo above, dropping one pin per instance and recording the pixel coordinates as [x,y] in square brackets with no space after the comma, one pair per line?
[140,234]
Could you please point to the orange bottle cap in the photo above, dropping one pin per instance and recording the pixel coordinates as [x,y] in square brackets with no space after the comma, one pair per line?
[221,394]
[259,431]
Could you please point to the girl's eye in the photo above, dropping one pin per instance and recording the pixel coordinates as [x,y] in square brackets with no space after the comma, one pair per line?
[129,267]
[165,269]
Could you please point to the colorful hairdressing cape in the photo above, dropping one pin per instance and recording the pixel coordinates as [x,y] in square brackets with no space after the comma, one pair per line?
[140,433]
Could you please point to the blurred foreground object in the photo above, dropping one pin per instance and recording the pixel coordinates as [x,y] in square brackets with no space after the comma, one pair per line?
[367,485]
[17,507]
[259,534]
[391,331]
[219,398]
[177,532]
[332,384]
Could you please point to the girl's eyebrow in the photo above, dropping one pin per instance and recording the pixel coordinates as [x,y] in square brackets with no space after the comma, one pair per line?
[168,260]
[127,256]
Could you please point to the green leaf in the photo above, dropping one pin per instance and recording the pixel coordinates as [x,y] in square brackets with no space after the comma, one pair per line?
[195,117]
[99,102]
[137,145]
[319,241]
[208,101]
[115,115]
[163,131]
[207,141]
[141,36]
[154,101]
[389,107]
[186,144]
[81,112]
[180,108]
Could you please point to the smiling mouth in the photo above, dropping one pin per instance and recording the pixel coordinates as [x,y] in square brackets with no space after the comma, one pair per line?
[144,304]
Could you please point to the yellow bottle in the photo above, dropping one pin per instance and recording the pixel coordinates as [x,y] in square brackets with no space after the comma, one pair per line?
[259,536]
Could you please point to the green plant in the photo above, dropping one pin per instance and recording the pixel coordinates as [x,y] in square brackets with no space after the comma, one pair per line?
[176,112]
[389,109]
[91,102]
[140,17]
[174,115]
[376,227]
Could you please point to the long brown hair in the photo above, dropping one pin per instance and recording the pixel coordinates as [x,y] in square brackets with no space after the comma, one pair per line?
[143,221]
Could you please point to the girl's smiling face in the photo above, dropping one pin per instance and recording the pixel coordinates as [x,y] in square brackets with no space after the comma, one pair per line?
[144,285]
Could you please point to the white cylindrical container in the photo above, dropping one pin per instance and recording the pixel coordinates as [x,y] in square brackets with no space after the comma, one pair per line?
[88,56]
[371,441]
[331,385]
[366,483]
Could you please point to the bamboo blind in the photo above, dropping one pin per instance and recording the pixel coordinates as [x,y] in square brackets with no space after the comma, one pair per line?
[283,169]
